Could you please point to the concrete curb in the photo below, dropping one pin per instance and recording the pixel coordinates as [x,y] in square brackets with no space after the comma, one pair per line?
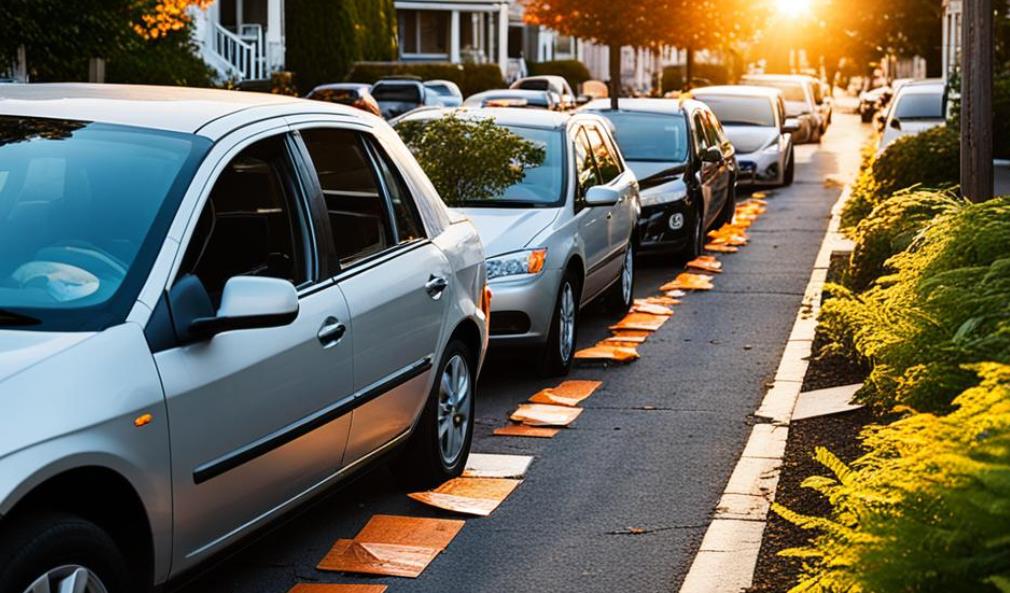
[728,555]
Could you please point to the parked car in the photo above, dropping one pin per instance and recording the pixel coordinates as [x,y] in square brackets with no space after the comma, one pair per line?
[398,95]
[870,101]
[560,238]
[195,301]
[917,107]
[515,98]
[801,105]
[555,84]
[354,94]
[446,91]
[822,99]
[755,122]
[685,166]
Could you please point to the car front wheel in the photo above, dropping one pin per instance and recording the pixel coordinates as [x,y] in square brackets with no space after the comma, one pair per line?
[61,552]
[623,292]
[440,445]
[562,336]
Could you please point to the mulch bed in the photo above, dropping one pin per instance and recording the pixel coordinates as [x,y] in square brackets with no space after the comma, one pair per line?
[838,433]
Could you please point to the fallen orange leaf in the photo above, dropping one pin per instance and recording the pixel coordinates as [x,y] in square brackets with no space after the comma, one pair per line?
[640,321]
[326,588]
[689,281]
[608,351]
[650,308]
[624,337]
[569,393]
[716,248]
[470,496]
[706,263]
[545,415]
[660,300]
[514,429]
[392,545]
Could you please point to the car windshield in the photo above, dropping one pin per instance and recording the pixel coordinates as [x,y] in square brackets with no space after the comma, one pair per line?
[791,91]
[741,111]
[401,93]
[536,84]
[441,90]
[920,106]
[541,186]
[334,95]
[84,208]
[650,137]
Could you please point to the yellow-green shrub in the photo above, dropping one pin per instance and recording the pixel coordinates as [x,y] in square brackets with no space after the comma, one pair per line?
[947,304]
[926,510]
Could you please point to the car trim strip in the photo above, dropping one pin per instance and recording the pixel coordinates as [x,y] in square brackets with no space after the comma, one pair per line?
[285,435]
[366,264]
[607,260]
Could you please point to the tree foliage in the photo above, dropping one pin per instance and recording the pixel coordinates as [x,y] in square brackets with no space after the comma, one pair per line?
[469,160]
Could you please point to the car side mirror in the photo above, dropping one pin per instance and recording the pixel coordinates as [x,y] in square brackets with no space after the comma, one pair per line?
[896,123]
[582,100]
[791,126]
[712,154]
[601,195]
[249,302]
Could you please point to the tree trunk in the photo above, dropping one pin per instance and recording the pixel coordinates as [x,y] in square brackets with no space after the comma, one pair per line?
[689,69]
[615,76]
[976,101]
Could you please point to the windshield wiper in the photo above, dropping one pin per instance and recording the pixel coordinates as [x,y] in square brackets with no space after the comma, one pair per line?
[12,319]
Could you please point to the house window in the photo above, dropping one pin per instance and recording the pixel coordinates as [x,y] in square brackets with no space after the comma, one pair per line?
[564,47]
[424,32]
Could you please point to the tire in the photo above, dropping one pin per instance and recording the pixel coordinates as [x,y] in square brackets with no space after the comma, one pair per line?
[430,456]
[728,208]
[790,172]
[622,293]
[559,351]
[696,242]
[60,547]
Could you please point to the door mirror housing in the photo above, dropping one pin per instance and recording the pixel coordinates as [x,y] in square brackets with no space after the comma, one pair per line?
[249,302]
[896,123]
[791,126]
[601,195]
[712,154]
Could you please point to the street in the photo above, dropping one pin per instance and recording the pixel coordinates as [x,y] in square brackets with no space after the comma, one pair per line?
[619,501]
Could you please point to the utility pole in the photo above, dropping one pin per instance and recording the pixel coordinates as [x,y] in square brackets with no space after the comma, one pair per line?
[976,100]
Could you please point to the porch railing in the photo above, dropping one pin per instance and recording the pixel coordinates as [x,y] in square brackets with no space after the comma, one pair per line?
[245,53]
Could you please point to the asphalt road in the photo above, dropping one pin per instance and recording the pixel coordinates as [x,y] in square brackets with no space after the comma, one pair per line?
[652,451]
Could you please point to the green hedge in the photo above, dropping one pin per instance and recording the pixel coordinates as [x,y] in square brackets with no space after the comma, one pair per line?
[326,37]
[574,71]
[471,78]
[673,76]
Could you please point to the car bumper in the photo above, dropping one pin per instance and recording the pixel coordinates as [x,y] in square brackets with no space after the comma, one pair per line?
[522,308]
[664,227]
[757,169]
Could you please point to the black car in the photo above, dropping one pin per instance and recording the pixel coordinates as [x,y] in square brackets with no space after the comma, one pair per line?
[686,169]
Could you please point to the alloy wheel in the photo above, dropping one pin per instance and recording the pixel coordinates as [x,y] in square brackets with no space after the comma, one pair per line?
[68,579]
[628,275]
[566,320]
[453,408]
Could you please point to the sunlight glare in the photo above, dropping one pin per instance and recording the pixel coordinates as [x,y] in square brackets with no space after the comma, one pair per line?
[793,8]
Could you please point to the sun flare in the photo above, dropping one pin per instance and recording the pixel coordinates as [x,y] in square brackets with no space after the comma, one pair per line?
[793,8]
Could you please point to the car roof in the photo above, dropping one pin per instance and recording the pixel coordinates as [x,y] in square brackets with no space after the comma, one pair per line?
[923,87]
[649,105]
[741,90]
[503,116]
[176,109]
[799,78]
[343,85]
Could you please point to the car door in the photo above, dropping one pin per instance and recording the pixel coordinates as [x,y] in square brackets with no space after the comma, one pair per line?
[620,220]
[708,173]
[593,224]
[256,415]
[727,168]
[395,281]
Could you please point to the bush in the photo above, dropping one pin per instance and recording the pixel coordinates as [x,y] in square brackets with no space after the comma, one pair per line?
[574,71]
[930,160]
[889,229]
[925,510]
[172,60]
[471,78]
[673,76]
[946,305]
[469,160]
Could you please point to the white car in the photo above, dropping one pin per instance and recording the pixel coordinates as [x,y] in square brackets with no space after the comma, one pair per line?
[917,107]
[754,120]
[213,306]
[801,102]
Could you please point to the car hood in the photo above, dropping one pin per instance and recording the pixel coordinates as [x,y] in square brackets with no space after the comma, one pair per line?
[20,350]
[503,230]
[747,139]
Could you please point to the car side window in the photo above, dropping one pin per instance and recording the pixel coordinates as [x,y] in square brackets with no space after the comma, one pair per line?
[359,217]
[585,167]
[716,127]
[606,159]
[405,215]
[710,131]
[253,223]
[700,137]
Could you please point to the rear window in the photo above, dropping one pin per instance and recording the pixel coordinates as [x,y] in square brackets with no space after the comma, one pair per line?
[402,93]
[920,106]
[741,111]
[534,85]
[650,137]
[334,95]
[791,91]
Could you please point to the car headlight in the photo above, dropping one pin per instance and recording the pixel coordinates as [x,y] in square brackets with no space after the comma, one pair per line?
[662,198]
[519,263]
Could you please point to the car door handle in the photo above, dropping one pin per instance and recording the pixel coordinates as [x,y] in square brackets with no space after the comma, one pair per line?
[610,215]
[435,286]
[331,332]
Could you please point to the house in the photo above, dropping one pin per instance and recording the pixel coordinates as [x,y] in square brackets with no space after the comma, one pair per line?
[241,39]
[951,52]
[454,31]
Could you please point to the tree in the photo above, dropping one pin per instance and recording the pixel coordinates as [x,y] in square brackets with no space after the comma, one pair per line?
[469,160]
